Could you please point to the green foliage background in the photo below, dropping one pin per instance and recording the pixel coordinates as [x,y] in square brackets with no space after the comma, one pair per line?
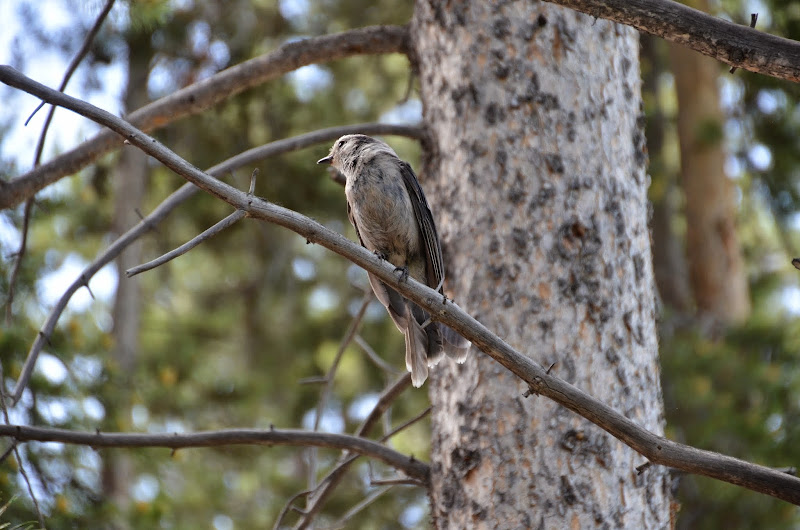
[230,329]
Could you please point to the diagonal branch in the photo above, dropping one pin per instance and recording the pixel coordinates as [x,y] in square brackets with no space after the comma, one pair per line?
[292,437]
[208,92]
[733,44]
[657,449]
[182,194]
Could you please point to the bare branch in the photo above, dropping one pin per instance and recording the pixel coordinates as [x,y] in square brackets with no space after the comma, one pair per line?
[23,245]
[387,397]
[407,424]
[285,437]
[374,357]
[183,193]
[287,507]
[733,44]
[189,245]
[352,512]
[656,448]
[334,477]
[20,463]
[195,98]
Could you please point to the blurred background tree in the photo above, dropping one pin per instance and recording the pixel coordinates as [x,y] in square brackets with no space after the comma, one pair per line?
[730,363]
[223,335]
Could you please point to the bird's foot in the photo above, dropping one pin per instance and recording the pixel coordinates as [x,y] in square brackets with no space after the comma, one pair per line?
[380,255]
[403,273]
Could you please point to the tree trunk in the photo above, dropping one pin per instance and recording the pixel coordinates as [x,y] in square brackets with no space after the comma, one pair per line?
[535,168]
[716,265]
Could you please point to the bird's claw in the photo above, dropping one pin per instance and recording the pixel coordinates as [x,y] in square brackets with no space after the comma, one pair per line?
[380,255]
[403,273]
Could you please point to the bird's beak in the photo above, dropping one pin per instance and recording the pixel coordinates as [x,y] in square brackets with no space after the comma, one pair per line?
[326,160]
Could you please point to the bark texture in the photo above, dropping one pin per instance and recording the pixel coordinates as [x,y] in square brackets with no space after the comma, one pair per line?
[716,265]
[536,172]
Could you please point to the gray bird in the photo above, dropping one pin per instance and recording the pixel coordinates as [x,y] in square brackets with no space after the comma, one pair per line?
[388,209]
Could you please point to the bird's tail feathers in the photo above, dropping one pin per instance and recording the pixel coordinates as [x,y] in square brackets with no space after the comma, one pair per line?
[416,352]
[455,346]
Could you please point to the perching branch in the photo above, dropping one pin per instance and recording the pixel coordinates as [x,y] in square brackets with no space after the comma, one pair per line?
[182,194]
[657,449]
[733,44]
[292,437]
[199,96]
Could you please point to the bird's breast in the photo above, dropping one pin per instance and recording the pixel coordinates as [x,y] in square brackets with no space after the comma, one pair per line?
[384,216]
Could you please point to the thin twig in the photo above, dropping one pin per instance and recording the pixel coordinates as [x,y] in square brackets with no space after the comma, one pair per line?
[405,425]
[396,482]
[313,380]
[189,245]
[183,193]
[656,448]
[352,512]
[20,254]
[253,177]
[73,65]
[8,451]
[20,463]
[335,476]
[329,377]
[374,357]
[287,507]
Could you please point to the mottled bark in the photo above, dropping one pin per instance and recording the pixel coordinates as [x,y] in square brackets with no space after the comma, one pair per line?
[536,172]
[716,265]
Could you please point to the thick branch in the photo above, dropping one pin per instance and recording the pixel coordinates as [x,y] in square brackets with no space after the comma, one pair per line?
[208,92]
[655,448]
[409,465]
[733,44]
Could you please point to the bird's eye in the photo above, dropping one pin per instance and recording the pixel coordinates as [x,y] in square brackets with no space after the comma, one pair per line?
[339,144]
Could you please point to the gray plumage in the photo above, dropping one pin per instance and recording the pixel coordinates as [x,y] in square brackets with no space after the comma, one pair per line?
[388,209]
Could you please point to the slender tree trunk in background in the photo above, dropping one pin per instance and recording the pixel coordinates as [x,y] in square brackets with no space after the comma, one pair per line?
[129,184]
[536,172]
[716,265]
[669,257]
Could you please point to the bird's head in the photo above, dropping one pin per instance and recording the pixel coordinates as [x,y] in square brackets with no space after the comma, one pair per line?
[348,150]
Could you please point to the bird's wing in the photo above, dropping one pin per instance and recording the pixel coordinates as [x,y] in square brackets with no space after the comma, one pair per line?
[427,228]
